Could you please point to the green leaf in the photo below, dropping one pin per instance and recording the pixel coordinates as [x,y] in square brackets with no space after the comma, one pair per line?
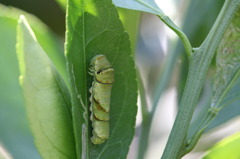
[142,5]
[228,66]
[227,148]
[228,112]
[62,3]
[151,7]
[14,128]
[130,20]
[93,27]
[46,99]
[13,122]
[50,44]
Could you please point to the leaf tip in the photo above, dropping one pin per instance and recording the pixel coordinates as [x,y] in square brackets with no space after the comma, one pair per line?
[22,19]
[25,27]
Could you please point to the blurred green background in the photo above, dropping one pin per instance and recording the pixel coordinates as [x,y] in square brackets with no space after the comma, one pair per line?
[154,45]
[46,10]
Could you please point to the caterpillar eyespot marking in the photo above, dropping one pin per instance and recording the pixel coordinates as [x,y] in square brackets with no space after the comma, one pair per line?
[103,78]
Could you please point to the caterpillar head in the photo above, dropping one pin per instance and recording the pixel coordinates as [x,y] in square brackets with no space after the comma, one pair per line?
[102,69]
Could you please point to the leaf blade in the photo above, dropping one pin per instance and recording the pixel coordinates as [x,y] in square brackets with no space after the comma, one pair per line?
[14,126]
[49,42]
[228,66]
[46,106]
[93,28]
[227,148]
[141,5]
[151,7]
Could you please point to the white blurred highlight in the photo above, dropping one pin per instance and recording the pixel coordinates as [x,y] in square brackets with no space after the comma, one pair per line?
[4,154]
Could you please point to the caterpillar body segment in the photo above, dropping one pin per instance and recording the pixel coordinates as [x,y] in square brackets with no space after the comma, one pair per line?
[103,78]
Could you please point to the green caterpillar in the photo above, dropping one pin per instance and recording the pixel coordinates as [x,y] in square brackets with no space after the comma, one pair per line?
[103,77]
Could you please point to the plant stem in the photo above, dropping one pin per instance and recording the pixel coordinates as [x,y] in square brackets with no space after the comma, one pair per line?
[144,106]
[145,128]
[162,84]
[199,64]
[212,113]
[179,32]
[144,136]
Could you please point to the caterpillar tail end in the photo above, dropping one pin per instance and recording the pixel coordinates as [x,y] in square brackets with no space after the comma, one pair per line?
[97,140]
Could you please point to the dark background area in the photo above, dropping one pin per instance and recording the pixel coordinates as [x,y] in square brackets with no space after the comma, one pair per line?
[53,15]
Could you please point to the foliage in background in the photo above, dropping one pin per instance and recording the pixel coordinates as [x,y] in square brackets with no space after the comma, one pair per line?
[227,148]
[196,32]
[15,135]
[199,59]
[110,39]
[62,3]
[226,82]
[46,97]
